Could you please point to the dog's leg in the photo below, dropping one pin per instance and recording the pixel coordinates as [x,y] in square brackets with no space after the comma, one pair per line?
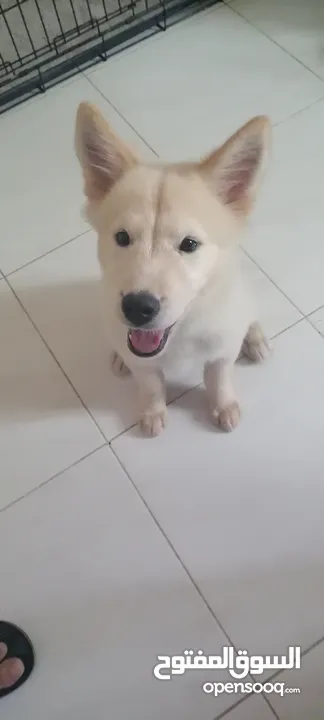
[255,345]
[153,410]
[222,399]
[118,366]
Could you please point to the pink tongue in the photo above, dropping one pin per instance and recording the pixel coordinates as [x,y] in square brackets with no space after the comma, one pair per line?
[146,341]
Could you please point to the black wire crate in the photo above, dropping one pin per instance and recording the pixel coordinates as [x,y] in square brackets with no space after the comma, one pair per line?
[44,41]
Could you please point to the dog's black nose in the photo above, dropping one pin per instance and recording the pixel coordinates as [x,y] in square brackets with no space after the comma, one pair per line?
[140,308]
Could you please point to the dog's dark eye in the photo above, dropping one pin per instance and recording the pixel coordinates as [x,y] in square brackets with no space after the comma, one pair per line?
[122,238]
[188,245]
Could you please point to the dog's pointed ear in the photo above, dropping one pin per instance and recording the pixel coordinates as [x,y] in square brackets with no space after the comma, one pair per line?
[102,155]
[235,170]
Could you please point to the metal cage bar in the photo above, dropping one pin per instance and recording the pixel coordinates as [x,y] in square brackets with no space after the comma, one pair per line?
[44,41]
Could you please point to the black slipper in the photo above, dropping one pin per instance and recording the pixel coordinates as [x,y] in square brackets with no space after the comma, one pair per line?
[19,646]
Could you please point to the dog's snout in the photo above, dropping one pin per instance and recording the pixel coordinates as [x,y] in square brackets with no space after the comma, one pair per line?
[140,308]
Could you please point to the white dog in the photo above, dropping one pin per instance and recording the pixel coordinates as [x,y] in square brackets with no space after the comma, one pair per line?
[167,245]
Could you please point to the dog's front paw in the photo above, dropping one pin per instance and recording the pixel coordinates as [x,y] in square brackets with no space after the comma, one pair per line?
[228,417]
[118,366]
[153,421]
[255,346]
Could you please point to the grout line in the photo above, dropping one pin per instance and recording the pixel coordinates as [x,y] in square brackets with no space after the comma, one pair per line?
[289,327]
[57,362]
[122,432]
[313,646]
[308,320]
[265,697]
[233,707]
[242,700]
[48,252]
[120,115]
[53,477]
[298,112]
[226,712]
[309,315]
[275,42]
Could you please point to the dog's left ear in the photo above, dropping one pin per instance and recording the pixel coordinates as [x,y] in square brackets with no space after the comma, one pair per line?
[235,170]
[102,155]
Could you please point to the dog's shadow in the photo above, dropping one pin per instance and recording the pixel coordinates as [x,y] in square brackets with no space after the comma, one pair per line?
[70,318]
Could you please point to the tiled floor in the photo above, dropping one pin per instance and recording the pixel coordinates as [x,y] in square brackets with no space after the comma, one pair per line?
[116,549]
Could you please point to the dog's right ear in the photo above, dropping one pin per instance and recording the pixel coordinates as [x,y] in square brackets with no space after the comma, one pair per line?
[235,170]
[102,155]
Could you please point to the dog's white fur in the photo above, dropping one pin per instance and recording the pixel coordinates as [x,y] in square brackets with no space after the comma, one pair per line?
[202,293]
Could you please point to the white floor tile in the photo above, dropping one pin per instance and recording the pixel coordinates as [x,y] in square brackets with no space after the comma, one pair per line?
[294,24]
[244,510]
[92,580]
[309,703]
[255,708]
[62,294]
[286,233]
[43,426]
[209,77]
[40,180]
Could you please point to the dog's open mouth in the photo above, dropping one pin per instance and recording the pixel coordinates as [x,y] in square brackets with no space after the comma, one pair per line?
[147,343]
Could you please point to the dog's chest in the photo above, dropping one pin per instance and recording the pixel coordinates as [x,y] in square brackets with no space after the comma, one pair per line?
[192,344]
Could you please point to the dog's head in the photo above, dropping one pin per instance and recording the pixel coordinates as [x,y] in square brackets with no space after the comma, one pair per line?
[161,228]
